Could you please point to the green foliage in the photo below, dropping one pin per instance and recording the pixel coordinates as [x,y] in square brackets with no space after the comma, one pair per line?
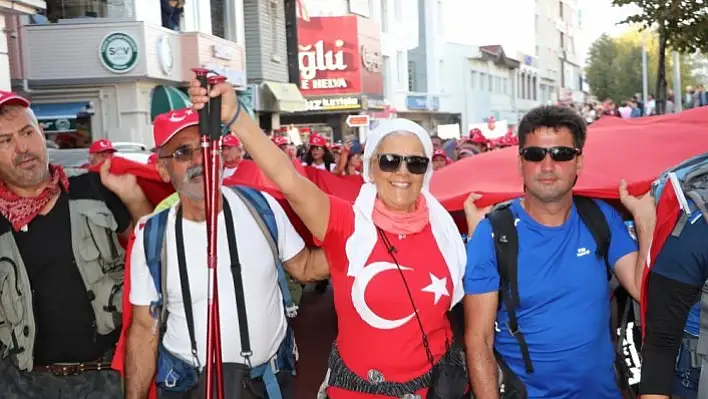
[614,68]
[684,22]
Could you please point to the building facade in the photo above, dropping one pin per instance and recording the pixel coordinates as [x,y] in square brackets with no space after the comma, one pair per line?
[267,62]
[10,10]
[481,82]
[105,71]
[558,25]
[347,62]
[426,67]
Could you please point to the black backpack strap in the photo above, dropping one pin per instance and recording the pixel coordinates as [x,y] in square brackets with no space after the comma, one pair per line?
[238,285]
[591,214]
[506,246]
[184,285]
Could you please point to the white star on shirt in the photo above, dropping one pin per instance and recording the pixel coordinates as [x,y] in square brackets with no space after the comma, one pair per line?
[438,286]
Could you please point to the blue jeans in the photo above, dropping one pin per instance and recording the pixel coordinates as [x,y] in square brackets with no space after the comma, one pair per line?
[687,376]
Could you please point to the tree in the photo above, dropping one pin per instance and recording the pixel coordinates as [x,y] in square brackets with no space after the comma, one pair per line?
[600,71]
[614,68]
[680,24]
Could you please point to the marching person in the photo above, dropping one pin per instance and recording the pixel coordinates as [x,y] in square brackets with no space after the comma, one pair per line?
[61,266]
[183,335]
[231,153]
[99,151]
[318,154]
[555,338]
[395,258]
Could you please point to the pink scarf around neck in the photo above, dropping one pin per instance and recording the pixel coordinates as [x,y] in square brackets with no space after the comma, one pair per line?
[401,222]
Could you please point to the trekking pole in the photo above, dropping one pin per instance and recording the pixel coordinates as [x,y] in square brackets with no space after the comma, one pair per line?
[210,135]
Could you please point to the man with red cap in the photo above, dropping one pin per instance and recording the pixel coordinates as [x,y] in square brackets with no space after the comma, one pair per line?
[440,159]
[62,266]
[319,156]
[100,150]
[272,351]
[477,140]
[231,153]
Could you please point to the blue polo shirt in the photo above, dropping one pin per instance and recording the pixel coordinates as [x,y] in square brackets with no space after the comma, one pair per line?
[564,311]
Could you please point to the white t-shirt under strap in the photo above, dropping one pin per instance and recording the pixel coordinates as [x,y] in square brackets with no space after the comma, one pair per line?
[264,306]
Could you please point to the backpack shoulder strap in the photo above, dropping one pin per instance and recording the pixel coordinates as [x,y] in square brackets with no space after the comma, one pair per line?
[506,247]
[262,213]
[595,220]
[153,239]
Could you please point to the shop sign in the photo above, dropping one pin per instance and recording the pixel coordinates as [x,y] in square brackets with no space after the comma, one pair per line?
[164,55]
[357,120]
[423,103]
[119,52]
[334,103]
[329,56]
[58,125]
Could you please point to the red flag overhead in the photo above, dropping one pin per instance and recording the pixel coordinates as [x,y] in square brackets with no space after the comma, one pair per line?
[637,150]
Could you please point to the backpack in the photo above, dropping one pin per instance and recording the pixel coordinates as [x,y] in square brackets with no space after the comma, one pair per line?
[177,374]
[506,247]
[689,179]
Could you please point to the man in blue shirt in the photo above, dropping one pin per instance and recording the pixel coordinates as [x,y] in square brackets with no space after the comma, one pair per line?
[564,294]
[672,316]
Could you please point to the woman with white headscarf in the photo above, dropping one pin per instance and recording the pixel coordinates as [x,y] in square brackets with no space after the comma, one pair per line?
[395,257]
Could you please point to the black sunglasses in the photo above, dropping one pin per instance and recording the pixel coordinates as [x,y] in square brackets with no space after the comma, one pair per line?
[558,154]
[183,154]
[415,164]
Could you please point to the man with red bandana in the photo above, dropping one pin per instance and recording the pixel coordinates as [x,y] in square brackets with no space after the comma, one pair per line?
[232,154]
[62,264]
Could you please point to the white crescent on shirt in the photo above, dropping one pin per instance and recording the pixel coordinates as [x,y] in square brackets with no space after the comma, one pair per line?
[264,301]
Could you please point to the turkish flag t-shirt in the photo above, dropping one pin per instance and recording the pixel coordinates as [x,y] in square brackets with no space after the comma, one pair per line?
[377,328]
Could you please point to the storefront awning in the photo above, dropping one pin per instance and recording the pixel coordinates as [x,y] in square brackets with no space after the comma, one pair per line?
[58,117]
[166,99]
[287,96]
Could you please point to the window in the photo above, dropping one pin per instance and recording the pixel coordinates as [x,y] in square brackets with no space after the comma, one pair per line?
[482,81]
[385,70]
[491,83]
[560,9]
[562,41]
[411,76]
[217,18]
[63,9]
[273,16]
[473,80]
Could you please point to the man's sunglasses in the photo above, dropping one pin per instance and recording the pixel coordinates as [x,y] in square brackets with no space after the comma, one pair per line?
[183,153]
[415,164]
[558,154]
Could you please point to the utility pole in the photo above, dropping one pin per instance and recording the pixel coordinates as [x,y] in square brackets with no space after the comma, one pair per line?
[645,76]
[678,97]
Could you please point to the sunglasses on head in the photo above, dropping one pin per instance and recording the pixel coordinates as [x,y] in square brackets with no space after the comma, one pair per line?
[416,164]
[184,153]
[558,154]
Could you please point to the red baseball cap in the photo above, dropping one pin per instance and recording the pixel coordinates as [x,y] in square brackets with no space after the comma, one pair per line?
[170,123]
[152,159]
[280,140]
[10,98]
[102,145]
[230,141]
[317,141]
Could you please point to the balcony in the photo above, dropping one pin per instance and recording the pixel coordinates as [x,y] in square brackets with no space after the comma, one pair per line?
[110,51]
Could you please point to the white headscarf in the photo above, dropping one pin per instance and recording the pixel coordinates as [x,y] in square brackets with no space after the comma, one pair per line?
[361,243]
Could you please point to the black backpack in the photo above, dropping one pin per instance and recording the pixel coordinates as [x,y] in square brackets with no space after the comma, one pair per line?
[506,246]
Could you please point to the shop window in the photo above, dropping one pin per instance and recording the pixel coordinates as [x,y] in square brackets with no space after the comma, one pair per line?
[217,18]
[66,9]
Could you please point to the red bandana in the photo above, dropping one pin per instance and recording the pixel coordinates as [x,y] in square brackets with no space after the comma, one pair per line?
[232,164]
[21,210]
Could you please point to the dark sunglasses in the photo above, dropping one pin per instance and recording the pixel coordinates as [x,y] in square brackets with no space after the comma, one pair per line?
[558,154]
[415,164]
[183,154]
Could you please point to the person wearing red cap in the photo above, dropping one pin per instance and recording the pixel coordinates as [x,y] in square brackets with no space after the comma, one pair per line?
[100,150]
[231,153]
[59,241]
[318,155]
[440,159]
[478,140]
[177,140]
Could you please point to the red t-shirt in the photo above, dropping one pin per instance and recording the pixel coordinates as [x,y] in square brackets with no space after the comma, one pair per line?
[381,332]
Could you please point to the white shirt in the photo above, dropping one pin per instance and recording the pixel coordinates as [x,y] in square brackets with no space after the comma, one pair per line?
[228,172]
[264,301]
